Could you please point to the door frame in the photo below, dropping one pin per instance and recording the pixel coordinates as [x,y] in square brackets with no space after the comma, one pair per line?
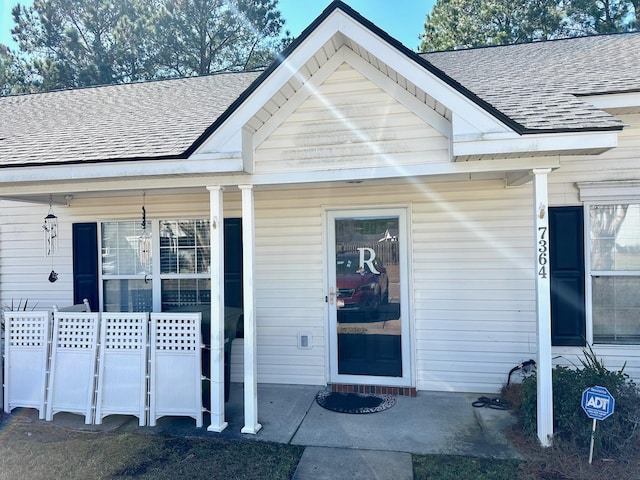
[407,339]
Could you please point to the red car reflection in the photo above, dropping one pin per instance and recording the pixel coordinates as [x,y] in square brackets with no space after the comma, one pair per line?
[360,289]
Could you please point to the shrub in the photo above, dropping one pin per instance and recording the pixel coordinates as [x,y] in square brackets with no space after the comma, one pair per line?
[615,434]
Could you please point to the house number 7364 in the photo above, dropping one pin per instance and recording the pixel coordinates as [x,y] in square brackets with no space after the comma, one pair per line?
[543,252]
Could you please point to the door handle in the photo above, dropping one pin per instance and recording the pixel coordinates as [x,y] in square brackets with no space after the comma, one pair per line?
[332,296]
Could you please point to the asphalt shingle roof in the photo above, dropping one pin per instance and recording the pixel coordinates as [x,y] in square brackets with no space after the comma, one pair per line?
[139,120]
[538,85]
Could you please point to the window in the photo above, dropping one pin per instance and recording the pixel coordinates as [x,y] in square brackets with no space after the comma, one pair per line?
[126,282]
[166,265]
[185,268]
[614,235]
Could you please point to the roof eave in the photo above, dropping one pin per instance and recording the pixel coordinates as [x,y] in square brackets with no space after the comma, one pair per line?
[542,143]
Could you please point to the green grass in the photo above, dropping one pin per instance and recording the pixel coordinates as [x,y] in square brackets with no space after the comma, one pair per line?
[449,467]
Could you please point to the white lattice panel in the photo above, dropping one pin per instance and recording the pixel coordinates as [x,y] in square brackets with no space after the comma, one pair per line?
[73,364]
[175,368]
[122,366]
[27,336]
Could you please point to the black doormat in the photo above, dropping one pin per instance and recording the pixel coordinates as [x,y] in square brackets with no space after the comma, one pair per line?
[354,402]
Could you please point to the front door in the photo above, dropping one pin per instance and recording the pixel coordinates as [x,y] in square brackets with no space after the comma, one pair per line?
[367,299]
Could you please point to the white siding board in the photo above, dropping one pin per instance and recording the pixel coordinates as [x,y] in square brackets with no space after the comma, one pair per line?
[482,363]
[288,325]
[497,285]
[437,348]
[404,129]
[621,163]
[303,119]
[492,321]
[469,248]
[479,293]
[477,275]
[303,373]
[486,368]
[289,289]
[473,305]
[349,121]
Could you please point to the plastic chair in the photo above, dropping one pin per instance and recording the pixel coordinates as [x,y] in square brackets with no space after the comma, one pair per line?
[78,307]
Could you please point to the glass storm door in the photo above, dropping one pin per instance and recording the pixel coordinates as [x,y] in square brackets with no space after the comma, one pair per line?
[367,297]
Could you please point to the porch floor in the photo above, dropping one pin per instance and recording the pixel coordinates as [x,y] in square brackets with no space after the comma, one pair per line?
[431,423]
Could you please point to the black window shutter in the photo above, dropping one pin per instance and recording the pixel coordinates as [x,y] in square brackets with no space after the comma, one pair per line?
[566,250]
[85,263]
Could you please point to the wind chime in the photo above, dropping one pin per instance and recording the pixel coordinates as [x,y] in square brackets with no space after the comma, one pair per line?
[50,227]
[144,241]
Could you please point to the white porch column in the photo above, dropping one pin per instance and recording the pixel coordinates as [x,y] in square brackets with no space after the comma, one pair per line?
[543,305]
[251,424]
[216,220]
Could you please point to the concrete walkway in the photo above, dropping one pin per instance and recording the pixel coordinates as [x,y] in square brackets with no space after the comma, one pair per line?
[339,446]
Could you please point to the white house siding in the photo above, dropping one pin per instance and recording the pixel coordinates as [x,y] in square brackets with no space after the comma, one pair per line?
[473,318]
[23,267]
[621,163]
[472,284]
[289,287]
[349,122]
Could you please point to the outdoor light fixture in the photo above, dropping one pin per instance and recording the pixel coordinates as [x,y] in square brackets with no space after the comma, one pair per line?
[541,210]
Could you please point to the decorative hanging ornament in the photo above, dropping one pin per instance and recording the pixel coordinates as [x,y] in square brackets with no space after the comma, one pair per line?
[144,241]
[50,228]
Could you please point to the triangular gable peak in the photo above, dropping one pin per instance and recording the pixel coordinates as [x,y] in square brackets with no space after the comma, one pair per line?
[341,37]
[353,118]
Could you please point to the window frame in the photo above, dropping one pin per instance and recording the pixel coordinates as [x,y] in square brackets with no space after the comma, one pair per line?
[590,273]
[155,276]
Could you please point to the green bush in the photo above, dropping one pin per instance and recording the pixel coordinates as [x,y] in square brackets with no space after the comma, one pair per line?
[615,434]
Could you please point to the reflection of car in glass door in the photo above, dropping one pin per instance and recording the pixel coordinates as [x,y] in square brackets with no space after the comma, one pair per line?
[362,285]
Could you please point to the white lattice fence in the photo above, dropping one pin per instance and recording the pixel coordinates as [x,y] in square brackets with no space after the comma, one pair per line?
[175,369]
[27,336]
[122,366]
[73,364]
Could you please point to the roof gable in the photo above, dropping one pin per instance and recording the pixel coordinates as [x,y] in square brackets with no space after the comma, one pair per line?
[347,122]
[340,29]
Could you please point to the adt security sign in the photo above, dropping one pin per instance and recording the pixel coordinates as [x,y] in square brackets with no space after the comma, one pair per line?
[597,402]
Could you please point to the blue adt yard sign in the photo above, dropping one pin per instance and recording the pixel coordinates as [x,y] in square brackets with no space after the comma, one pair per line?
[597,403]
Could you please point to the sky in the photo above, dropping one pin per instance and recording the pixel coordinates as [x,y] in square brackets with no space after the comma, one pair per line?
[402,19]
